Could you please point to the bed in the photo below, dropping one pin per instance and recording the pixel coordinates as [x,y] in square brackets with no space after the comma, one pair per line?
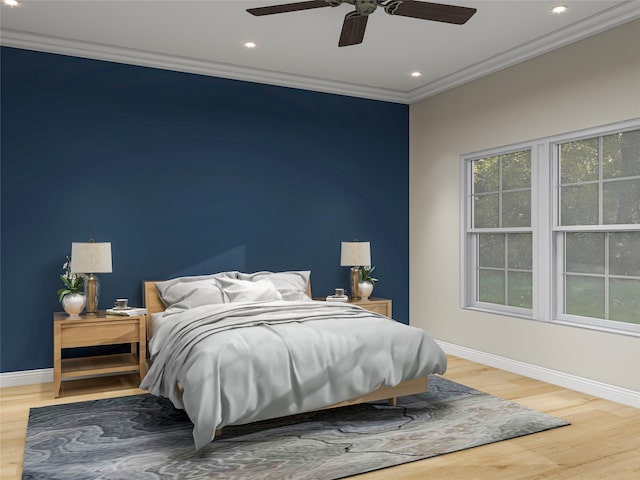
[233,348]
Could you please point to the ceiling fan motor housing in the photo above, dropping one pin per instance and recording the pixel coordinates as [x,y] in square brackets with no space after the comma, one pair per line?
[366,7]
[363,7]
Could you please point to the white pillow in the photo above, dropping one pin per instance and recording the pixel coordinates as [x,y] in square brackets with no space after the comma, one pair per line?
[291,285]
[245,291]
[155,322]
[188,292]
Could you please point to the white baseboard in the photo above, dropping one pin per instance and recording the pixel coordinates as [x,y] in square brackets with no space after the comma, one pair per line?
[26,377]
[565,380]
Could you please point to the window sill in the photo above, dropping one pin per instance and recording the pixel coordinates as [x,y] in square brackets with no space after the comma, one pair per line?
[565,321]
[570,321]
[508,313]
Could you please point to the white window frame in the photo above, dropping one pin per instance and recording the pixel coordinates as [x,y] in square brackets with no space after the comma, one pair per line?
[547,244]
[469,243]
[558,232]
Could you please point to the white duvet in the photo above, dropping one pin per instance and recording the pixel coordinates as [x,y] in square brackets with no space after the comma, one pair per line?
[242,362]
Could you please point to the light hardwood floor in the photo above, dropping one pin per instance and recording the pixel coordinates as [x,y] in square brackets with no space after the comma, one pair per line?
[603,440]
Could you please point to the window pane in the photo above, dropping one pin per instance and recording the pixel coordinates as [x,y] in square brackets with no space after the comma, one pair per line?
[622,202]
[579,161]
[491,252]
[485,211]
[516,170]
[624,300]
[584,252]
[621,155]
[516,209]
[491,286]
[584,296]
[520,251]
[579,205]
[486,175]
[624,254]
[520,289]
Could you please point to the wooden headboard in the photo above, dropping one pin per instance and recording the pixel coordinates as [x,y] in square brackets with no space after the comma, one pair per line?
[152,301]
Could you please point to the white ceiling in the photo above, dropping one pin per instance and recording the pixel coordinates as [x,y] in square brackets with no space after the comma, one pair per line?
[299,49]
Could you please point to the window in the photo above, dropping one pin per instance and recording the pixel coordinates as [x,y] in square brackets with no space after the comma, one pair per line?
[552,229]
[597,233]
[500,230]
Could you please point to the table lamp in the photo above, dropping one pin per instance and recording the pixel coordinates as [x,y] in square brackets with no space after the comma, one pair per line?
[90,258]
[355,255]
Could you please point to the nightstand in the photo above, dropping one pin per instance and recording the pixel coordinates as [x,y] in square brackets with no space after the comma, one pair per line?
[86,331]
[373,304]
[376,305]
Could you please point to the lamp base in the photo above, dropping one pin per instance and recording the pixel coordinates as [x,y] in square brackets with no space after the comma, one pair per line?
[355,282]
[92,294]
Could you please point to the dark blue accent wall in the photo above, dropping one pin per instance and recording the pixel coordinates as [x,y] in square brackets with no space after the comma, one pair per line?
[187,174]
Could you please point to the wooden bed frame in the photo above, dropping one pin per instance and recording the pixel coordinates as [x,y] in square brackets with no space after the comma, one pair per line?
[153,304]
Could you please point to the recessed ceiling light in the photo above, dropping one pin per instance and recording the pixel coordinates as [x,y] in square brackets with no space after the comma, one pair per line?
[11,3]
[250,45]
[559,9]
[416,74]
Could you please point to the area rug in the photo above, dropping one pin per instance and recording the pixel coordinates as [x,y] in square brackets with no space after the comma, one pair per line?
[144,437]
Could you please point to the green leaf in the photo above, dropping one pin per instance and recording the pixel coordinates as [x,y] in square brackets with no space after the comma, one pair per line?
[62,293]
[365,274]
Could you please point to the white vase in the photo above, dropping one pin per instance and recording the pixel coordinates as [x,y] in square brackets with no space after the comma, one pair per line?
[365,289]
[73,304]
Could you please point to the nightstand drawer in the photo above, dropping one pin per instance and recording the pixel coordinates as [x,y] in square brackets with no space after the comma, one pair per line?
[100,333]
[378,308]
[375,305]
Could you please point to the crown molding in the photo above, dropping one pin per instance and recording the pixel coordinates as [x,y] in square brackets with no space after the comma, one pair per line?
[611,18]
[75,48]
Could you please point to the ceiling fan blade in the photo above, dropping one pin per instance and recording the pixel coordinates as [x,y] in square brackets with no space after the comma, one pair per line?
[430,11]
[288,7]
[353,29]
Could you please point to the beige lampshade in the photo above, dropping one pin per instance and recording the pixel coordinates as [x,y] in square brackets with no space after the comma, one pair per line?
[355,254]
[91,257]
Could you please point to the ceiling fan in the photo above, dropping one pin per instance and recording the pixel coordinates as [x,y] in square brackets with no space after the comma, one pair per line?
[355,22]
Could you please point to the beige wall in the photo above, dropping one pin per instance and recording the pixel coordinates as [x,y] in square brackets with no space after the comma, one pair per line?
[590,83]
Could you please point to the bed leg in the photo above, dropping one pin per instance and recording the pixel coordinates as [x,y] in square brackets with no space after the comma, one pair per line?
[392,401]
[218,432]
